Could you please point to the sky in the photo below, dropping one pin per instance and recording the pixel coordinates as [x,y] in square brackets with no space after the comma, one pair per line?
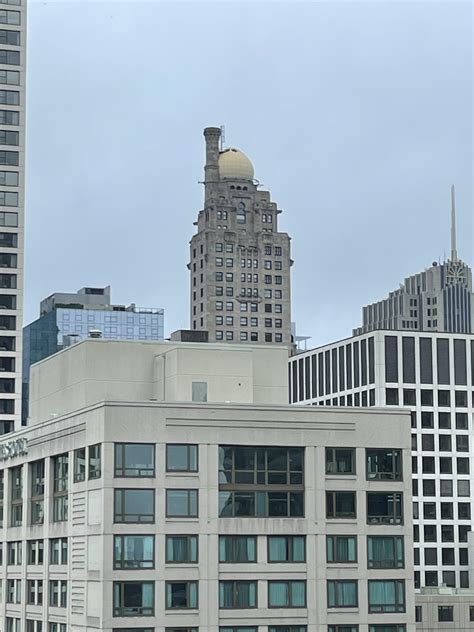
[357,117]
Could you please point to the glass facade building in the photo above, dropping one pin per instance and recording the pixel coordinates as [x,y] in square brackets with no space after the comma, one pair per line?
[69,318]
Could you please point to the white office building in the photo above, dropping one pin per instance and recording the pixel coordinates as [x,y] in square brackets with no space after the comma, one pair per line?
[432,376]
[170,487]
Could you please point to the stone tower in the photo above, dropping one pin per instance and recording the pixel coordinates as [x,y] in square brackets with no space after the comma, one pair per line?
[239,262]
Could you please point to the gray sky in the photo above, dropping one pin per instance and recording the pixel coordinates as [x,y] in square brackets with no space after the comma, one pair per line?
[356,115]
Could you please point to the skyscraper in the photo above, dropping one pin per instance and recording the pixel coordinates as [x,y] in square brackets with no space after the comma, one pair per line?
[239,261]
[438,299]
[66,318]
[12,170]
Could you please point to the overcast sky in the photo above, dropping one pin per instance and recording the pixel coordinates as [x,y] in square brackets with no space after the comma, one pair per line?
[357,117]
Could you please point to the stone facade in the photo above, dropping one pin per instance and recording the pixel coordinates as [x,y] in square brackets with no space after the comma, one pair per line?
[239,261]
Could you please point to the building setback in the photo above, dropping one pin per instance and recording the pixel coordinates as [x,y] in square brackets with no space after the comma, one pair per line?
[432,376]
[66,318]
[239,261]
[168,486]
[12,194]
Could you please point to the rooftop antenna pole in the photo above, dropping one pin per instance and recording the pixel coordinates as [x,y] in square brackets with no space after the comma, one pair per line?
[454,254]
[222,137]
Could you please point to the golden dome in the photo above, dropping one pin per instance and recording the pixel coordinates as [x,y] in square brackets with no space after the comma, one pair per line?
[234,164]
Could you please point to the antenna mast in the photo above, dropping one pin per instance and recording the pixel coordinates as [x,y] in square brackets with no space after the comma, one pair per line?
[222,137]
[454,254]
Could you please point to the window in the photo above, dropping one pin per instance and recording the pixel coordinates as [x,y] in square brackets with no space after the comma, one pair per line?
[186,630]
[12,624]
[181,595]
[286,548]
[342,594]
[181,458]
[387,595]
[445,613]
[237,594]
[340,461]
[6,137]
[237,548]
[134,551]
[181,503]
[34,625]
[462,443]
[13,590]
[14,553]
[134,505]
[460,399]
[9,17]
[385,552]
[58,593]
[34,592]
[199,391]
[8,178]
[258,482]
[343,628]
[135,460]
[37,492]
[35,552]
[94,461]
[134,599]
[181,549]
[391,396]
[287,594]
[79,465]
[9,97]
[341,548]
[60,488]
[388,628]
[340,505]
[384,508]
[384,464]
[58,551]
[12,78]
[16,481]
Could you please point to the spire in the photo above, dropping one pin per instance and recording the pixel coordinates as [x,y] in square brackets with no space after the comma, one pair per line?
[454,254]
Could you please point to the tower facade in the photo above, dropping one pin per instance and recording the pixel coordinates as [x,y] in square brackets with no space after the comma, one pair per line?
[239,261]
[12,187]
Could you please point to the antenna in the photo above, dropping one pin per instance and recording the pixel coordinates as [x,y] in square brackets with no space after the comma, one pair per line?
[222,137]
[454,254]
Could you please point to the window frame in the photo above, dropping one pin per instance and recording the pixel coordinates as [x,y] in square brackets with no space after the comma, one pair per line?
[289,582]
[189,539]
[383,609]
[233,538]
[289,548]
[121,472]
[188,459]
[188,583]
[331,462]
[235,583]
[181,489]
[336,582]
[123,490]
[395,538]
[119,611]
[334,538]
[121,564]
[345,516]
[377,476]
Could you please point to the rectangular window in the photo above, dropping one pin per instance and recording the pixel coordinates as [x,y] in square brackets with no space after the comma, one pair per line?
[34,592]
[385,552]
[343,628]
[134,599]
[384,508]
[16,507]
[35,552]
[181,549]
[340,461]
[384,464]
[7,137]
[133,552]
[387,595]
[9,17]
[15,553]
[95,469]
[289,548]
[10,58]
[182,503]
[60,487]
[58,593]
[342,594]
[181,595]
[237,594]
[287,594]
[8,178]
[261,481]
[341,548]
[135,460]
[341,505]
[79,465]
[12,624]
[11,78]
[400,627]
[37,492]
[134,505]
[58,553]
[181,458]
[13,590]
[237,548]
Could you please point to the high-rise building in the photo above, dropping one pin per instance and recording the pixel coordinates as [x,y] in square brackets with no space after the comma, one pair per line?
[239,261]
[169,486]
[66,318]
[12,181]
[438,299]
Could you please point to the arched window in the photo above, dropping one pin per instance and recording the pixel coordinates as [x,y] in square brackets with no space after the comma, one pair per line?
[241,213]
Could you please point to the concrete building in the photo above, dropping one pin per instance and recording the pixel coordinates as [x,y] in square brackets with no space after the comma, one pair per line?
[239,261]
[66,318]
[12,194]
[438,299]
[167,486]
[432,376]
[445,610]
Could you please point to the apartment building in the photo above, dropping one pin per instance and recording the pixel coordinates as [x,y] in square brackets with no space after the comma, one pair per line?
[168,486]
